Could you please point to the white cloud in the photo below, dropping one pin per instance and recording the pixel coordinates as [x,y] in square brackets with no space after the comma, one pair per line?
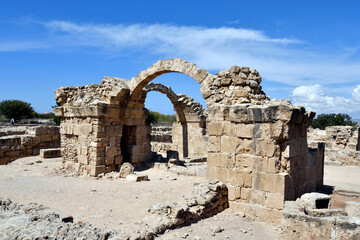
[356,94]
[283,60]
[288,61]
[314,98]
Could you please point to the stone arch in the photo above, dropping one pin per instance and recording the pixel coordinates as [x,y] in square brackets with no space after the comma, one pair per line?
[170,94]
[133,116]
[190,116]
[166,66]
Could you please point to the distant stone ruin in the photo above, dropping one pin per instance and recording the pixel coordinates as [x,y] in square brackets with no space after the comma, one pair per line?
[188,133]
[256,146]
[23,141]
[342,144]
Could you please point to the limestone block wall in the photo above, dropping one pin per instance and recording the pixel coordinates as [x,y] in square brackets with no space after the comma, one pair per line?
[17,142]
[90,141]
[174,138]
[342,143]
[193,137]
[260,152]
[161,139]
[343,137]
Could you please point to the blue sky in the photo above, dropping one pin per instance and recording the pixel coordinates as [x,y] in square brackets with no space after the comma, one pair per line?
[306,51]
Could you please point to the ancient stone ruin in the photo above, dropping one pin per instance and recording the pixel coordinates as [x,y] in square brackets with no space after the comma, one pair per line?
[191,118]
[256,146]
[342,144]
[23,141]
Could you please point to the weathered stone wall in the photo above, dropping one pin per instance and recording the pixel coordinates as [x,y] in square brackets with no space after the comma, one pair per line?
[172,138]
[303,223]
[161,139]
[260,152]
[17,142]
[342,144]
[209,198]
[193,137]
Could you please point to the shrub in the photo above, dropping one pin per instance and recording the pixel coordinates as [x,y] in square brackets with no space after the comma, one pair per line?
[324,120]
[160,119]
[16,109]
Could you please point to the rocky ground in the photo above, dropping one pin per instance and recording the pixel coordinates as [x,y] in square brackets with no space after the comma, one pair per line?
[35,221]
[116,206]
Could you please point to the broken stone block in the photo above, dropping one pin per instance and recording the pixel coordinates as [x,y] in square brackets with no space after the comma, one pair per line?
[325,212]
[315,200]
[126,169]
[137,177]
[50,153]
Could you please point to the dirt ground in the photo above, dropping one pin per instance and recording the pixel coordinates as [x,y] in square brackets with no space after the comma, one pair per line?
[344,178]
[118,204]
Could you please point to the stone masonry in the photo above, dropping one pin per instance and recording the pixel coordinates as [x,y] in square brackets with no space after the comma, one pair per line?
[23,141]
[257,147]
[342,144]
[161,139]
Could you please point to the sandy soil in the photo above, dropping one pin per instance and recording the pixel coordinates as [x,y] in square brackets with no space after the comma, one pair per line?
[344,178]
[117,204]
[232,227]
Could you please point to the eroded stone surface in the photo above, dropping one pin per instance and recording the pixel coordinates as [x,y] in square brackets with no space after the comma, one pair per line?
[22,141]
[35,221]
[126,169]
[342,144]
[318,223]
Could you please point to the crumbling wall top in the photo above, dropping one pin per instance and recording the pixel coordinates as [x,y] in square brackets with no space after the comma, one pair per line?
[108,91]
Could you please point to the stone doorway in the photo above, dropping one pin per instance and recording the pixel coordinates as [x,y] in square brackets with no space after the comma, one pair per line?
[128,141]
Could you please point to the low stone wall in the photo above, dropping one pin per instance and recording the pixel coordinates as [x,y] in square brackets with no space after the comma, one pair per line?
[342,144]
[17,142]
[189,140]
[161,139]
[209,198]
[302,223]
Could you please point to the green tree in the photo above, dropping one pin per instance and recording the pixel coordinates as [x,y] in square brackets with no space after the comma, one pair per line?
[153,117]
[160,119]
[324,120]
[16,109]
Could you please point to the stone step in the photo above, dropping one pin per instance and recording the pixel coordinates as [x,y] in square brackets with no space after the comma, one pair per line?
[137,177]
[332,163]
[50,153]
